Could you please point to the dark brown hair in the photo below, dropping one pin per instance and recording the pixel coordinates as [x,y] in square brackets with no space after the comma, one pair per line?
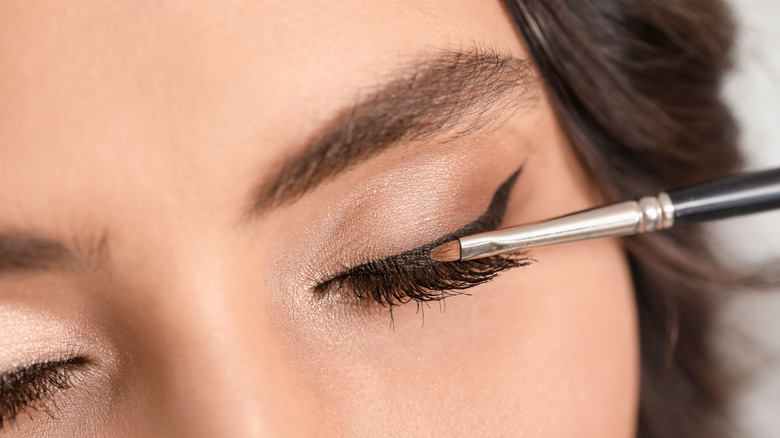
[636,88]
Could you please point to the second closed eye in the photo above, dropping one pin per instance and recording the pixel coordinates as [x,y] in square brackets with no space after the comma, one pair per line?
[31,388]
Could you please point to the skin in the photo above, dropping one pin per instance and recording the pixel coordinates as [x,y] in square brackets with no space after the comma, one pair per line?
[150,123]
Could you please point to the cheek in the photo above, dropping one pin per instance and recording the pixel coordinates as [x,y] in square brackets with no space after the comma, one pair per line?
[584,360]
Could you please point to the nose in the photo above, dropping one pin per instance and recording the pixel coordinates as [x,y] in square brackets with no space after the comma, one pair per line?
[208,357]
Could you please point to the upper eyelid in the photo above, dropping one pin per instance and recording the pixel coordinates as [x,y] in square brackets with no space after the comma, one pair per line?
[420,256]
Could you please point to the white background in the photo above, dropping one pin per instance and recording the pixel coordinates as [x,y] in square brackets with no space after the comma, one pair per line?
[753,90]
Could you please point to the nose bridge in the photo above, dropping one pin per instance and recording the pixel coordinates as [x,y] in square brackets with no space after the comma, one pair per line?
[215,363]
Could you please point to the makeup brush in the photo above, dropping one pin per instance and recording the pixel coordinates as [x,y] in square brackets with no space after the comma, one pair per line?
[731,196]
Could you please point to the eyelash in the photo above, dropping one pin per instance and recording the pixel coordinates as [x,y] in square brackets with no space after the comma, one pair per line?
[32,387]
[390,285]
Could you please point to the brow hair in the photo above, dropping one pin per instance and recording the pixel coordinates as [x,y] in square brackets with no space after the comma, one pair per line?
[449,95]
[21,252]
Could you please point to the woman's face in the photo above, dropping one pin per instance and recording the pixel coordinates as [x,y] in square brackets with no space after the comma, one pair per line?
[179,179]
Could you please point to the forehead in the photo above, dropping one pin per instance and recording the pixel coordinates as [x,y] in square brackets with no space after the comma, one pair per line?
[102,96]
[197,56]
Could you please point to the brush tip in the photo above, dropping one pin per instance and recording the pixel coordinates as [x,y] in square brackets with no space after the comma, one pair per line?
[446,252]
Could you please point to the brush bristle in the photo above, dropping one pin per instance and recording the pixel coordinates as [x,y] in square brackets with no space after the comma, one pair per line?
[446,252]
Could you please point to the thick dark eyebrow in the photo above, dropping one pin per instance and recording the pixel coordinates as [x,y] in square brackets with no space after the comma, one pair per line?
[20,252]
[449,95]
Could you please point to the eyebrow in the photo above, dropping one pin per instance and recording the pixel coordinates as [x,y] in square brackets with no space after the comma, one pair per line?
[451,94]
[20,252]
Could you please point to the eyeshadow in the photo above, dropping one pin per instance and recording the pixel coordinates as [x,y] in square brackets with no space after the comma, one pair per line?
[421,256]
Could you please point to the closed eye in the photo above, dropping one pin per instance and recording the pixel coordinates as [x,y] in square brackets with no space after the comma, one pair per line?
[32,387]
[414,276]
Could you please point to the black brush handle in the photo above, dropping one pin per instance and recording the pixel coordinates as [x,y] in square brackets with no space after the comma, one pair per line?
[735,195]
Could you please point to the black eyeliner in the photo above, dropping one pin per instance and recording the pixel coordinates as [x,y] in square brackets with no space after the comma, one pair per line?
[421,256]
[412,275]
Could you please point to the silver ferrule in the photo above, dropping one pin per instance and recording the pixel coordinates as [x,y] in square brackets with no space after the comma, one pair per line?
[651,213]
